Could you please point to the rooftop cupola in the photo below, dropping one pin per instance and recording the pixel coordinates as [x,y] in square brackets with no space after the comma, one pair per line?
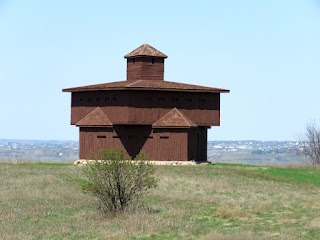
[145,63]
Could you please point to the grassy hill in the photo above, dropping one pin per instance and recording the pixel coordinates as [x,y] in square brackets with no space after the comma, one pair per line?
[44,201]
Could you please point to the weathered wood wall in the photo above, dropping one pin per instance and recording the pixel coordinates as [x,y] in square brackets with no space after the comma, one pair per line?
[168,145]
[146,107]
[158,144]
[145,69]
[92,140]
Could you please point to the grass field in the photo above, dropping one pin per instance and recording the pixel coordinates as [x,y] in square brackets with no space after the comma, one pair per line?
[44,201]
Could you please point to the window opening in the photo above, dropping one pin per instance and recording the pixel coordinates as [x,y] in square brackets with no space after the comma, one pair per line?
[164,137]
[101,136]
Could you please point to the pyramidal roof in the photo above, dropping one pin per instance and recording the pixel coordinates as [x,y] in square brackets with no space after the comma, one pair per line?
[174,119]
[95,118]
[145,50]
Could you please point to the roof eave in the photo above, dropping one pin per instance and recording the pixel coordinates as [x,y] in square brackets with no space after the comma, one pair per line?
[173,126]
[145,89]
[146,56]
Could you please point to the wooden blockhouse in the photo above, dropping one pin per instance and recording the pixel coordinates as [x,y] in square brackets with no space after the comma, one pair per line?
[166,120]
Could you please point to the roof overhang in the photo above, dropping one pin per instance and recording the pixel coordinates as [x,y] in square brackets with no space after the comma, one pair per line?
[146,85]
[144,89]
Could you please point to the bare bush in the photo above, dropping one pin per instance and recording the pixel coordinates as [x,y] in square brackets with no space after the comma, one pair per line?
[311,142]
[119,182]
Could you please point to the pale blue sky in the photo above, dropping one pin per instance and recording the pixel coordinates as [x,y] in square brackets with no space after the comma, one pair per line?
[266,52]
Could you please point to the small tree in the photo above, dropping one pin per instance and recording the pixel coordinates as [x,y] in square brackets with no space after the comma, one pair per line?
[311,143]
[119,182]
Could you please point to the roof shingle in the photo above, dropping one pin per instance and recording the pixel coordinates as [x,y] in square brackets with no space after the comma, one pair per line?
[158,85]
[95,118]
[174,119]
[145,50]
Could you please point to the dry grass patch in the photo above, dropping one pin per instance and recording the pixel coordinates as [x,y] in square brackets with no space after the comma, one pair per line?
[44,201]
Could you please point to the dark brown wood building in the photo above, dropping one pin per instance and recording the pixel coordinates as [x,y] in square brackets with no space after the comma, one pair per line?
[166,120]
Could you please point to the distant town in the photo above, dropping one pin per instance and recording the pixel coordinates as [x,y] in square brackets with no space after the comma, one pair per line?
[247,152]
[256,152]
[256,146]
[38,150]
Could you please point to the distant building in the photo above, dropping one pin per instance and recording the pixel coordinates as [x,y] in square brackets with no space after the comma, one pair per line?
[166,120]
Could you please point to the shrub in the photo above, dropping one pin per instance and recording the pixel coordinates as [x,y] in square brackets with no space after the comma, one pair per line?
[119,182]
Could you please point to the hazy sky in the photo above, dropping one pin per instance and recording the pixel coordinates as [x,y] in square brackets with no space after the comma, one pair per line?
[266,52]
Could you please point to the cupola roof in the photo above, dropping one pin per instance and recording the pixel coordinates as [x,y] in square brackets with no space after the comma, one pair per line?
[145,50]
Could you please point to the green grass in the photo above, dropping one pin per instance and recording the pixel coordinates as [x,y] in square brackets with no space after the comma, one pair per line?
[216,201]
[297,175]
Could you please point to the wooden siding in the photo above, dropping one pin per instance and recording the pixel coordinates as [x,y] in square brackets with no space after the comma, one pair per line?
[143,68]
[92,140]
[158,144]
[167,145]
[113,103]
[146,107]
